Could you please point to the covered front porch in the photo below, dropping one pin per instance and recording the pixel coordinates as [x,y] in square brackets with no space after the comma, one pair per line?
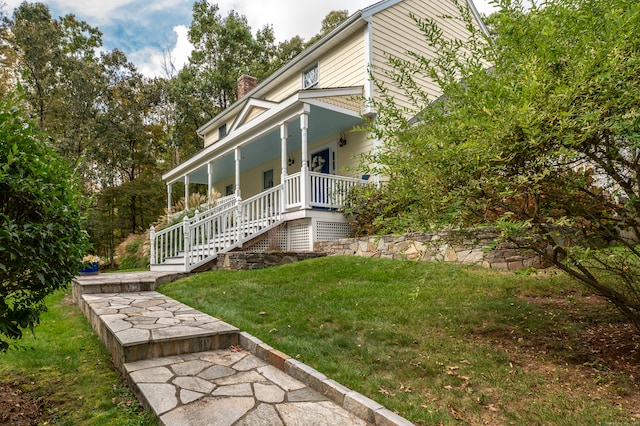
[278,164]
[269,144]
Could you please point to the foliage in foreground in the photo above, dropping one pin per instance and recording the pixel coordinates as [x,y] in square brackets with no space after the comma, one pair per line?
[65,367]
[536,134]
[436,343]
[42,241]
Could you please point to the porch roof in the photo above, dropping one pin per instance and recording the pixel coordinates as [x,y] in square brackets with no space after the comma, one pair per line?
[330,111]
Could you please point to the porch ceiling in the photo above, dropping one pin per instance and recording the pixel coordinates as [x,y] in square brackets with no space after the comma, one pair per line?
[322,124]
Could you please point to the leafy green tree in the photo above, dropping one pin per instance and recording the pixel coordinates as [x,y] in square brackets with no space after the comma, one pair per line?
[224,49]
[536,134]
[42,241]
[101,113]
[35,37]
[287,50]
[130,145]
[74,106]
[56,62]
[329,23]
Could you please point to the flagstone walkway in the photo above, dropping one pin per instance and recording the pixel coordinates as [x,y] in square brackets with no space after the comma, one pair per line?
[192,369]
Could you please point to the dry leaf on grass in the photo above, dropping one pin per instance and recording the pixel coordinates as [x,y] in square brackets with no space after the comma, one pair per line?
[455,413]
[385,391]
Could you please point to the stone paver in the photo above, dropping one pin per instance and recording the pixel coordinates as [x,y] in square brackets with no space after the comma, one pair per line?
[184,392]
[151,325]
[192,369]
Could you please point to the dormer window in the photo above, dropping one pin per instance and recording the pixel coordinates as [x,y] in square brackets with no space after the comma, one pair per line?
[222,131]
[310,78]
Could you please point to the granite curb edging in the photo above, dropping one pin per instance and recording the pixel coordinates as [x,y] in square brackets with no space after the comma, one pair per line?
[352,401]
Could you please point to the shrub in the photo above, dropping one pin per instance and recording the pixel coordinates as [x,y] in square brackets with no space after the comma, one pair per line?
[41,238]
[375,211]
[133,252]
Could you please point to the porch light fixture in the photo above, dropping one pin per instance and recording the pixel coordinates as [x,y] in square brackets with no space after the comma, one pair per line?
[291,161]
[342,141]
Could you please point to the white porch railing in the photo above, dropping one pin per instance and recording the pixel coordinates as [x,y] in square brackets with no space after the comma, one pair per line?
[293,191]
[220,205]
[197,240]
[331,191]
[326,191]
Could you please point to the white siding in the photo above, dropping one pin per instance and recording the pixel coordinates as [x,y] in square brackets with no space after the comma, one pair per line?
[344,66]
[395,33]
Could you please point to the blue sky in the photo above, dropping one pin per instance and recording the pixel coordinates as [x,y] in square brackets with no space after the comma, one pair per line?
[144,29]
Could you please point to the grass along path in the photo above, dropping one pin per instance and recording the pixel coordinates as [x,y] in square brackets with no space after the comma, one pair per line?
[63,375]
[436,343]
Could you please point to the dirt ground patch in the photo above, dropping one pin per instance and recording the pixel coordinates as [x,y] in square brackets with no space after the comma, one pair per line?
[593,350]
[18,408]
[605,343]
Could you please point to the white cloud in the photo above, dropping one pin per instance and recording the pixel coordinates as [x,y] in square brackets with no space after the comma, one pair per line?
[290,19]
[287,16]
[152,62]
[183,47]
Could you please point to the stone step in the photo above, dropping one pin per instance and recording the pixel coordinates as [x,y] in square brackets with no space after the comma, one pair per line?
[147,325]
[174,260]
[121,282]
[178,268]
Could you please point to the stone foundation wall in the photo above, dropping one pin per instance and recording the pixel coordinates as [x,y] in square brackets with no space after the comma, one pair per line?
[245,260]
[469,247]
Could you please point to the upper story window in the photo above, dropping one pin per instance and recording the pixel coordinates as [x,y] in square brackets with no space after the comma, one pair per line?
[310,78]
[222,131]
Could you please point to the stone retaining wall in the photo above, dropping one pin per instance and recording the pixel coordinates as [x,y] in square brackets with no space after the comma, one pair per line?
[470,247]
[246,260]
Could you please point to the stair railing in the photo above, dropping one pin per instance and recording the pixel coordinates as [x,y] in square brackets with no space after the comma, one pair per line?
[231,222]
[227,226]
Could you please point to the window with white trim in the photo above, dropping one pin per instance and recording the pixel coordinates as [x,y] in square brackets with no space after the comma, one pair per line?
[222,131]
[310,78]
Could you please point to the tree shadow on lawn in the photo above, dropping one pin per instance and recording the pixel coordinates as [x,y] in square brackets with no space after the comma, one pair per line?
[586,341]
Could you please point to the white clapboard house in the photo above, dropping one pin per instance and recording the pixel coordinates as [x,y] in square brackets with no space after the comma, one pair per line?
[283,155]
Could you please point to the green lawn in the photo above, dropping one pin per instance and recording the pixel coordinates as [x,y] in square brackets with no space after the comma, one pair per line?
[68,370]
[435,343]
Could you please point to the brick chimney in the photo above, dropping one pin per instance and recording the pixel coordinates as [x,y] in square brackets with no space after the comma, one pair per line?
[246,83]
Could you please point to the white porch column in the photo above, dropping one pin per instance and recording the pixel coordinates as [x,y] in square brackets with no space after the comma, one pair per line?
[186,191]
[238,214]
[238,157]
[209,180]
[377,145]
[283,164]
[169,203]
[305,178]
[152,249]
